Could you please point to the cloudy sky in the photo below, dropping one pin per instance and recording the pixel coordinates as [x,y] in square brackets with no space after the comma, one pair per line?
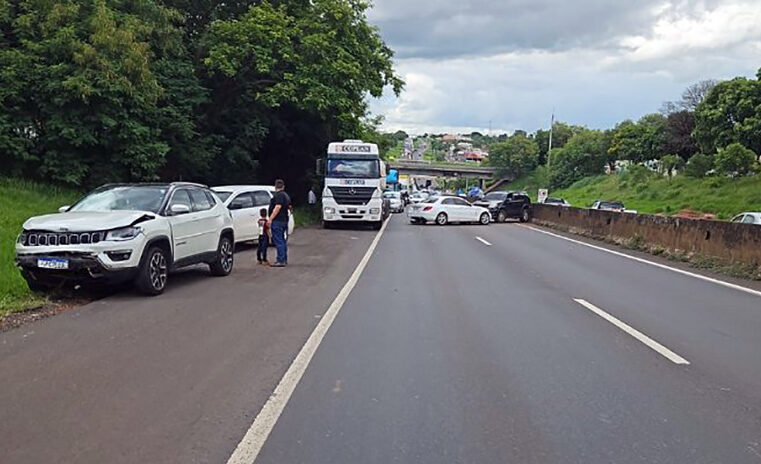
[596,62]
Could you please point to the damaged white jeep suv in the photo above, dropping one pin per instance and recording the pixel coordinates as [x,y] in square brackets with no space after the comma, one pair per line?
[123,232]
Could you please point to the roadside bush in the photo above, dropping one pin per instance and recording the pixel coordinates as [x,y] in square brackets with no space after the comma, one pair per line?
[636,175]
[698,165]
[735,160]
[670,163]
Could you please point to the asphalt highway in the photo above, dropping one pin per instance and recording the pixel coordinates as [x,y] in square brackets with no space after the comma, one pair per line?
[458,344]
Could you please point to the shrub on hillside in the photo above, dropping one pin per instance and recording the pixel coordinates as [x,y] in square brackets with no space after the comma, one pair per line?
[698,165]
[671,163]
[735,160]
[636,175]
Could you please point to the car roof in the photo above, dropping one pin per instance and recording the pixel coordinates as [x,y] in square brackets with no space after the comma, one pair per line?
[153,184]
[243,188]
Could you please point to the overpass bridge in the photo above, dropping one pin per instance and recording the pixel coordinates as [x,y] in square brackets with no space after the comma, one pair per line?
[451,170]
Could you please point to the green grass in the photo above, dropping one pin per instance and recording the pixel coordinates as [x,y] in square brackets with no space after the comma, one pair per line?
[654,194]
[18,201]
[307,215]
[530,182]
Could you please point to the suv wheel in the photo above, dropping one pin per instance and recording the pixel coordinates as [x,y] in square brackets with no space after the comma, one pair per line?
[525,215]
[501,216]
[223,263]
[154,272]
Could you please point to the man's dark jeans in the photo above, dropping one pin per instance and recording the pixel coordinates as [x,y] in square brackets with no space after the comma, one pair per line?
[278,236]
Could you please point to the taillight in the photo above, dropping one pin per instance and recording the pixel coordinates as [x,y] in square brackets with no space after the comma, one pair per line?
[428,208]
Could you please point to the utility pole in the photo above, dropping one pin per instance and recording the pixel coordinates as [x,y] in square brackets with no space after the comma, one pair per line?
[549,146]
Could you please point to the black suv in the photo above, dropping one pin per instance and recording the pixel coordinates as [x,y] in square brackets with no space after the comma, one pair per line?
[507,205]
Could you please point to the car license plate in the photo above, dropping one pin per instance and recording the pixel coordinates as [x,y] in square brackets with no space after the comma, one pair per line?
[51,263]
[353,182]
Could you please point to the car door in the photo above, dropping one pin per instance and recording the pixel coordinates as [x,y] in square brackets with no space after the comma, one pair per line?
[513,205]
[183,227]
[464,211]
[206,222]
[245,217]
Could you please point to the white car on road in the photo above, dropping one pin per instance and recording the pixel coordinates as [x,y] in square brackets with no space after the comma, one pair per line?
[128,232]
[245,203]
[446,209]
[395,201]
[748,218]
[418,197]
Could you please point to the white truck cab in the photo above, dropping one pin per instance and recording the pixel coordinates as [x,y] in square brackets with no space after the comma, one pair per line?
[355,178]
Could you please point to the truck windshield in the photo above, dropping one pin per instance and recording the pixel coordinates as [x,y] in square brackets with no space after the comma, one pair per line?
[364,169]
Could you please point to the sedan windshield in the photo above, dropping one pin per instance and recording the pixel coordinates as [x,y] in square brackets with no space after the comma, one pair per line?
[121,198]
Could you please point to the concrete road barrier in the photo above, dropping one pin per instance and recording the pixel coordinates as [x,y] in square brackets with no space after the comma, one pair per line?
[730,242]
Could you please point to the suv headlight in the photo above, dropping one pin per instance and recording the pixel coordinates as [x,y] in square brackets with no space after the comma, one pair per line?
[125,233]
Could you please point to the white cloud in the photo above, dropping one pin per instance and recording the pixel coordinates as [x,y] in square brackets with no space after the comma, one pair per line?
[595,78]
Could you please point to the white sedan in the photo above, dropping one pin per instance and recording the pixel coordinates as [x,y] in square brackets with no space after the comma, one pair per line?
[446,209]
[395,201]
[748,218]
[245,203]
[418,197]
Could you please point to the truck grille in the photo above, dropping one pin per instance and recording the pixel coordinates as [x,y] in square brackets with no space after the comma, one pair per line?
[43,238]
[352,195]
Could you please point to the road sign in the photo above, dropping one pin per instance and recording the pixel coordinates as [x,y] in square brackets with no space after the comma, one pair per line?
[543,194]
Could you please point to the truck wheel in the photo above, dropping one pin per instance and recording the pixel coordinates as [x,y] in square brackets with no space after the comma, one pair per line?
[327,225]
[502,216]
[441,219]
[377,225]
[525,215]
[223,263]
[153,273]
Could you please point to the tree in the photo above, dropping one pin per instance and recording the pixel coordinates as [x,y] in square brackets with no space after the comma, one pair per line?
[86,107]
[561,134]
[670,163]
[677,137]
[692,97]
[731,113]
[735,160]
[639,141]
[585,154]
[515,156]
[289,77]
[698,166]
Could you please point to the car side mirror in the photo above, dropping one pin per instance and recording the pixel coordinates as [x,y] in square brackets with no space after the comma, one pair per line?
[178,209]
[63,209]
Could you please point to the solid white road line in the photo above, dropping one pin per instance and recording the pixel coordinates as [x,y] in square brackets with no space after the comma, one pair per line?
[483,241]
[662,266]
[662,350]
[248,449]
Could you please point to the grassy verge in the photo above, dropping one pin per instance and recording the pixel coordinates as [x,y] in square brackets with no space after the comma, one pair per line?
[655,194]
[307,215]
[530,182]
[721,196]
[18,201]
